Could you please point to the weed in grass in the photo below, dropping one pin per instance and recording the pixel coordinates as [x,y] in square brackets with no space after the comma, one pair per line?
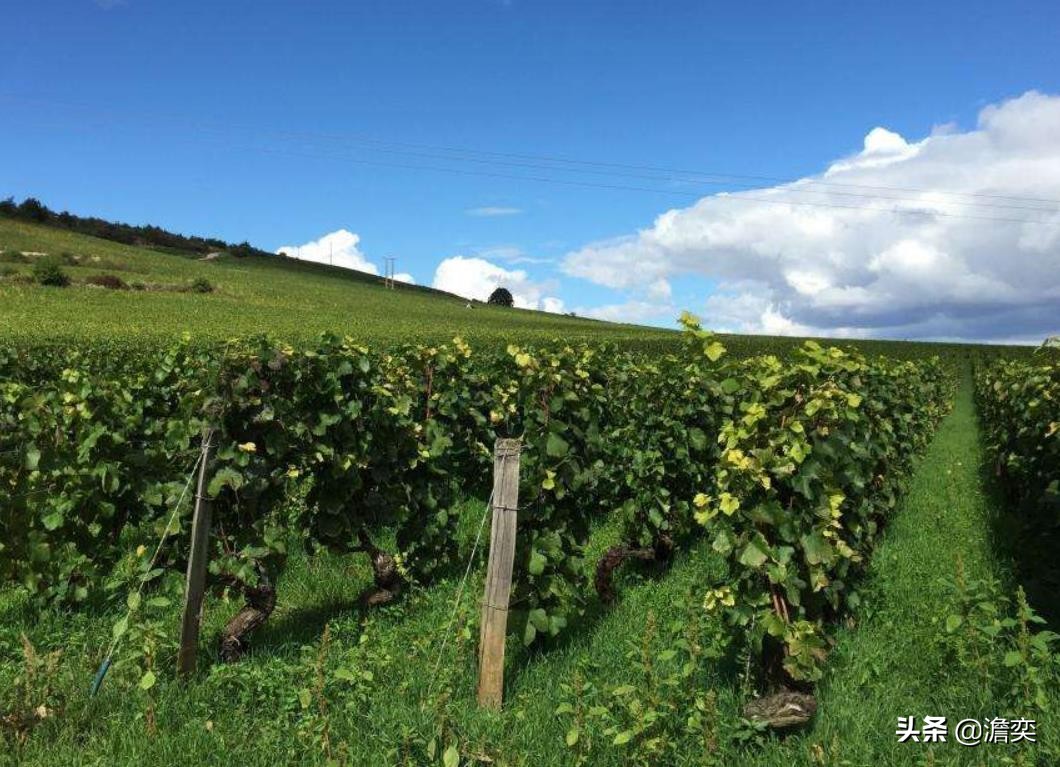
[32,696]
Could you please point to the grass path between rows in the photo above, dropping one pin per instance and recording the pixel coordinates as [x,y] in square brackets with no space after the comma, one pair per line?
[397,689]
[892,662]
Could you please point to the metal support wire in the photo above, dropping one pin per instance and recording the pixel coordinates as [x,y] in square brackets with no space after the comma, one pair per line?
[460,593]
[101,673]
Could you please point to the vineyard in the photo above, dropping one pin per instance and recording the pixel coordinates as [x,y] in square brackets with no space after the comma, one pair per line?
[792,483]
[786,472]
[706,526]
[1020,405]
[1019,402]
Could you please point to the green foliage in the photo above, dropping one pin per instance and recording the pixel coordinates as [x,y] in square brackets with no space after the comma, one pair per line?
[48,271]
[201,285]
[295,300]
[810,459]
[87,461]
[32,210]
[789,469]
[1002,641]
[389,698]
[664,708]
[1019,401]
[501,297]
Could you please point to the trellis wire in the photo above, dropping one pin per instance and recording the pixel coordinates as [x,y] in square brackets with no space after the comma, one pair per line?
[105,665]
[460,593]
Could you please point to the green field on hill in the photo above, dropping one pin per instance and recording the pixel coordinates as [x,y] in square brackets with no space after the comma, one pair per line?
[251,294]
[290,299]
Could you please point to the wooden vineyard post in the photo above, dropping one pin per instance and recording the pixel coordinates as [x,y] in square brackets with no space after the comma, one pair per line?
[498,572]
[195,581]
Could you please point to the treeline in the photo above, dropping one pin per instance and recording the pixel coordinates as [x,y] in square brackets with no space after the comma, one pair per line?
[34,211]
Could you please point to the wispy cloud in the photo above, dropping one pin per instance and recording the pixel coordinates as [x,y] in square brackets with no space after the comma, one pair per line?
[493,211]
[511,254]
[630,311]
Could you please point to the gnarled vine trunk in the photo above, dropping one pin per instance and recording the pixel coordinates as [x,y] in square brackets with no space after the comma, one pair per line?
[260,602]
[782,710]
[384,569]
[616,555]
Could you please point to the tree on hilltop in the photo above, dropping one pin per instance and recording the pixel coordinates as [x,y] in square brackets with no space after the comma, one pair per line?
[501,297]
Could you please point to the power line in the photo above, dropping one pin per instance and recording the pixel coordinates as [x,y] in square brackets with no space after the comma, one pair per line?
[695,174]
[544,162]
[794,187]
[549,162]
[740,196]
[737,196]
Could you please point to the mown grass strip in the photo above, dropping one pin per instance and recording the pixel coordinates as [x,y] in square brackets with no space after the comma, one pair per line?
[894,661]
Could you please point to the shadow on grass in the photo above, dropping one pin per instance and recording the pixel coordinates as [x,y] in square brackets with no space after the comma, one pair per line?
[1027,535]
[335,597]
[338,582]
[304,626]
[642,587]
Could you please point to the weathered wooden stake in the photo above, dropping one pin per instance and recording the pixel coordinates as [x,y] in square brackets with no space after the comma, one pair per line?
[499,572]
[195,581]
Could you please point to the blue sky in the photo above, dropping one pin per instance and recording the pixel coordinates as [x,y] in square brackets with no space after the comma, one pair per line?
[261,121]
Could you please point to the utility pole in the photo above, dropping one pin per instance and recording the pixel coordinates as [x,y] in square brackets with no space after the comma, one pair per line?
[388,277]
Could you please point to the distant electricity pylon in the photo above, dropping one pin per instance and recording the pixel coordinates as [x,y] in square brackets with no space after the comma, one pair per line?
[388,277]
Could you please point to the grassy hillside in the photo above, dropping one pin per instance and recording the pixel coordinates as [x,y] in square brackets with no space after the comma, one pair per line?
[285,297]
[252,294]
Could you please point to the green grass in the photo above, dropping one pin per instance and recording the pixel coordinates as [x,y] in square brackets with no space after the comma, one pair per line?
[895,661]
[285,297]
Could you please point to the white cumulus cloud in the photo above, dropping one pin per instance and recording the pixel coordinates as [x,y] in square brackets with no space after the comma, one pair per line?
[477,278]
[339,248]
[955,235]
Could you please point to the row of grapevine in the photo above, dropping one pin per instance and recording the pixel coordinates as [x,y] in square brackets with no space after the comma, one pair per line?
[1019,402]
[789,468]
